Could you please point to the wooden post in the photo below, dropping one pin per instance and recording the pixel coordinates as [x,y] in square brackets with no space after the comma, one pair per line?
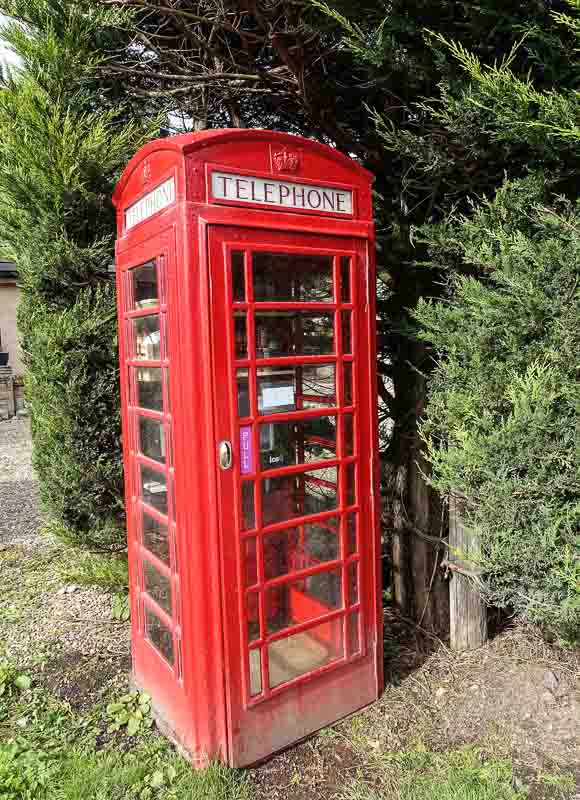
[468,612]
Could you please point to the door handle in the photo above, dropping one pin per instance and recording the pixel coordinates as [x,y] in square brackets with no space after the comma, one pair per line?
[225,454]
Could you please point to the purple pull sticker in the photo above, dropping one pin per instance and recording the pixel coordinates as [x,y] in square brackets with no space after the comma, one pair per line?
[246,450]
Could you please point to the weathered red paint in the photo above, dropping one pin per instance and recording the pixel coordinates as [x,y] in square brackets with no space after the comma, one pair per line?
[205,688]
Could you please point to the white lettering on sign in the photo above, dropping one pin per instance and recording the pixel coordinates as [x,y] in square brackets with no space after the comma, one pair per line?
[161,197]
[284,194]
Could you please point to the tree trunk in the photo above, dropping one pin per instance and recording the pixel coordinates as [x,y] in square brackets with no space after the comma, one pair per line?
[420,590]
[468,612]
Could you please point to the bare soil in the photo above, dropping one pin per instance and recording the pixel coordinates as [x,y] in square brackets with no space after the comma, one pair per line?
[516,698]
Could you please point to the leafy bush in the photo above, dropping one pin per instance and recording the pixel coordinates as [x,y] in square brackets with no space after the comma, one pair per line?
[25,774]
[502,422]
[62,152]
[131,711]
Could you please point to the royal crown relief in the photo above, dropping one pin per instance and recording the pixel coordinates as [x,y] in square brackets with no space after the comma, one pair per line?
[286,161]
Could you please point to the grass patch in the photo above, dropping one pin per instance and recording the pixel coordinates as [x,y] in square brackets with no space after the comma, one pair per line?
[564,784]
[107,572]
[421,775]
[109,776]
[47,752]
[22,588]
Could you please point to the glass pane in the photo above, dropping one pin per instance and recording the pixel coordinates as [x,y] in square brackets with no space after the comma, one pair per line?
[353,634]
[250,561]
[352,584]
[253,618]
[348,423]
[350,485]
[238,276]
[152,438]
[146,337]
[145,289]
[302,600]
[248,511]
[159,635]
[167,395]
[284,443]
[290,496]
[276,389]
[346,332]
[347,393]
[289,277]
[149,388]
[301,548]
[345,279]
[292,333]
[255,673]
[156,538]
[154,489]
[320,490]
[289,388]
[304,652]
[351,536]
[157,586]
[241,334]
[243,383]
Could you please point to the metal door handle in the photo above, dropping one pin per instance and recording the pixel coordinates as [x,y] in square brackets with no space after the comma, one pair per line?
[225,454]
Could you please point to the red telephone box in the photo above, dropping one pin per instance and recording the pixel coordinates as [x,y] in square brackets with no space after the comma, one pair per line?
[247,339]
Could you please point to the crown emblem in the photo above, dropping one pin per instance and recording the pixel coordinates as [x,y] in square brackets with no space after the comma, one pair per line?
[285,161]
[146,172]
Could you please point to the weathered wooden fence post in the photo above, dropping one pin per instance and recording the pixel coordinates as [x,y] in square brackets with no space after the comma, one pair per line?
[468,612]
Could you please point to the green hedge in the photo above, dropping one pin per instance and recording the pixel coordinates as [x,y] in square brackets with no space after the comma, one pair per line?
[503,419]
[60,158]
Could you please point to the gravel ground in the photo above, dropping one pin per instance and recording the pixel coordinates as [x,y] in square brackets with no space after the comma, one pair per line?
[66,633]
[19,504]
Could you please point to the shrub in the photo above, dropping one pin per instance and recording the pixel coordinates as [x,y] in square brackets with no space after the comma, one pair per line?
[502,422]
[62,152]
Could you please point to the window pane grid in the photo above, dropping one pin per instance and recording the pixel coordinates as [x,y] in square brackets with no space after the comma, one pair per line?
[151,437]
[287,446]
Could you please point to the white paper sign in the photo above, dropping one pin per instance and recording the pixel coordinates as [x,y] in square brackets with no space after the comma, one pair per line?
[277,396]
[161,197]
[281,194]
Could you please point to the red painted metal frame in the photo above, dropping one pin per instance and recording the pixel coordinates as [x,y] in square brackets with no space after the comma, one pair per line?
[202,700]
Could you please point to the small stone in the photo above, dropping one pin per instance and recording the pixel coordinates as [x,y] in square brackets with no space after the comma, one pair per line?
[551,680]
[72,588]
[474,687]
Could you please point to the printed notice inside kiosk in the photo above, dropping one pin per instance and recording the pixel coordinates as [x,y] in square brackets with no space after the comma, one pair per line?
[245,274]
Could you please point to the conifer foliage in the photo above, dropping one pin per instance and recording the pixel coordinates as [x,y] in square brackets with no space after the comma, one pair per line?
[502,422]
[61,152]
[502,419]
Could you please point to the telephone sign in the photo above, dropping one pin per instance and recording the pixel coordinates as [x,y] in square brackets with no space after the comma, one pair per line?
[282,194]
